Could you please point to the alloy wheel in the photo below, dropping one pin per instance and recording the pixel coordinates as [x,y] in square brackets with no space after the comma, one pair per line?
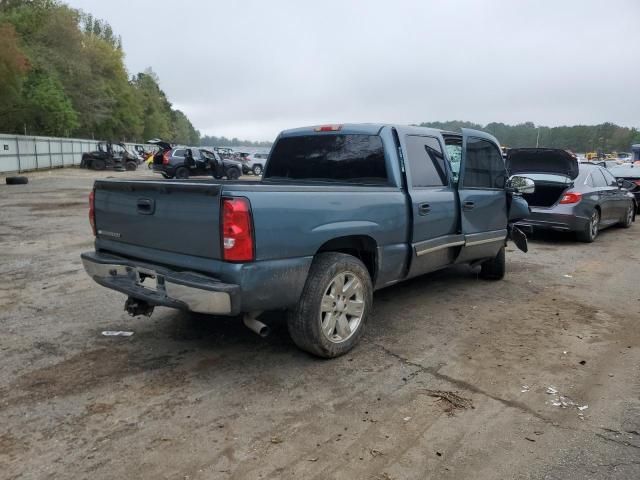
[342,307]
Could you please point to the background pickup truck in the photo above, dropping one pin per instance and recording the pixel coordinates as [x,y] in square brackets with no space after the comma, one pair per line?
[342,210]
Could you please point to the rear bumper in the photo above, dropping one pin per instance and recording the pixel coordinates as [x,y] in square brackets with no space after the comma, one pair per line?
[159,286]
[553,221]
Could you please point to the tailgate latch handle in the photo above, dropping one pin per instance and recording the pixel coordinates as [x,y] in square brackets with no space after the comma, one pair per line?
[146,206]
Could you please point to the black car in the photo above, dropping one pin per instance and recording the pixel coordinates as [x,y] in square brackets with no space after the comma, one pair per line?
[184,162]
[629,174]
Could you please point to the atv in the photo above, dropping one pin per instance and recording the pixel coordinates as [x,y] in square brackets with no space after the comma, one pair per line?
[113,156]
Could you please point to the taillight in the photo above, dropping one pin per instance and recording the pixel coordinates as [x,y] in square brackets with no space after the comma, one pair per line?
[92,210]
[165,157]
[637,182]
[237,231]
[571,197]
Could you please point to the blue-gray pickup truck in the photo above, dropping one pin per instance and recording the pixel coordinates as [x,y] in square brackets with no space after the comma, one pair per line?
[341,211]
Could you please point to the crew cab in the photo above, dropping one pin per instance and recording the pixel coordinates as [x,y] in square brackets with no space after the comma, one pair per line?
[341,211]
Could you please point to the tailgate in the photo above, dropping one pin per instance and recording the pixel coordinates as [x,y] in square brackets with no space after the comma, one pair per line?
[180,217]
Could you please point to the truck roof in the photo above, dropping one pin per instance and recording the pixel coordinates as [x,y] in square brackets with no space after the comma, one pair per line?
[361,128]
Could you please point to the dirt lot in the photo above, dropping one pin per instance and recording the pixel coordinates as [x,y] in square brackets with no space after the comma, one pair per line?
[450,381]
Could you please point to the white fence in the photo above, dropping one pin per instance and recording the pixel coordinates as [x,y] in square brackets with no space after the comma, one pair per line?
[20,153]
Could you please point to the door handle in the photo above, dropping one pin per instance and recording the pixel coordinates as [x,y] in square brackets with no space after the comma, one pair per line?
[146,206]
[424,209]
[468,205]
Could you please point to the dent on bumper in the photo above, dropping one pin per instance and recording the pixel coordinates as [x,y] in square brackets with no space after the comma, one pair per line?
[183,290]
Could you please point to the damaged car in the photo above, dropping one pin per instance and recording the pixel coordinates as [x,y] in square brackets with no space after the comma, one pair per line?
[570,196]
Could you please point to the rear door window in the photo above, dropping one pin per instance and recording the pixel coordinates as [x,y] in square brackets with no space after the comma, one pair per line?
[426,161]
[343,158]
[179,153]
[484,165]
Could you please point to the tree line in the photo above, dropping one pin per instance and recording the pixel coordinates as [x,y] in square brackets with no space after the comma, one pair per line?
[62,73]
[606,137]
[231,142]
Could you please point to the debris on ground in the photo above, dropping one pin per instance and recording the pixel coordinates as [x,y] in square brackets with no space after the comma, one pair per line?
[116,333]
[276,440]
[563,401]
[382,476]
[529,439]
[375,453]
[566,275]
[525,388]
[451,401]
[406,419]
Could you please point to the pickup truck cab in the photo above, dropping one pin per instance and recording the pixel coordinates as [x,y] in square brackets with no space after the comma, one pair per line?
[342,210]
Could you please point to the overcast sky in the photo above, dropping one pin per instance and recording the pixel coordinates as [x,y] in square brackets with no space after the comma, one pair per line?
[252,68]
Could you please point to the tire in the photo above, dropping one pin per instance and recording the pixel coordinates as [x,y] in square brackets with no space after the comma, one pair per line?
[591,229]
[17,180]
[628,217]
[257,170]
[233,174]
[98,164]
[317,307]
[495,268]
[131,166]
[182,172]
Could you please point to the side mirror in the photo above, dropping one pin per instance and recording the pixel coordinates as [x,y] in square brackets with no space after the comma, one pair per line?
[620,182]
[519,184]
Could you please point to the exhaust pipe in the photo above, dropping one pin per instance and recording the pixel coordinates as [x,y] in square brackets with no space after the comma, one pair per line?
[256,325]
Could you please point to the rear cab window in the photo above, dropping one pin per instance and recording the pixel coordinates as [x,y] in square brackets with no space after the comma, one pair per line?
[335,158]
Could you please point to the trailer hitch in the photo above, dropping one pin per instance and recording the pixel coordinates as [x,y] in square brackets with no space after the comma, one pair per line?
[135,307]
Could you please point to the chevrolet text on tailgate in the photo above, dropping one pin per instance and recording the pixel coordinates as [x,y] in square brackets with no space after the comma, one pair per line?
[341,211]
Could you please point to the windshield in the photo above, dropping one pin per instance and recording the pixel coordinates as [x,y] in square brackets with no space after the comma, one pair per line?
[329,158]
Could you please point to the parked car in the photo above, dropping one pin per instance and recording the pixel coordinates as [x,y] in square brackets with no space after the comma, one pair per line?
[629,174]
[607,163]
[582,198]
[183,162]
[256,162]
[113,156]
[342,210]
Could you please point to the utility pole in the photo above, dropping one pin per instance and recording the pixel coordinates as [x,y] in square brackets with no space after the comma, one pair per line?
[538,138]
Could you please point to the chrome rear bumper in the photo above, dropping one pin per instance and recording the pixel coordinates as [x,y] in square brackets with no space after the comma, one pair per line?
[160,286]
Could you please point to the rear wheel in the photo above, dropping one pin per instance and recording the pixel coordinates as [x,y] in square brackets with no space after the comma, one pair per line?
[98,164]
[130,166]
[257,170]
[495,268]
[592,228]
[182,172]
[335,303]
[628,218]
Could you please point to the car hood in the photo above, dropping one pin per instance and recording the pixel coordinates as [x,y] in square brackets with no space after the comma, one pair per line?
[541,160]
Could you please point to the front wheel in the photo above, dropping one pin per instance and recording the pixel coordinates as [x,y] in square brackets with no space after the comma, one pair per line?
[335,303]
[131,166]
[98,164]
[495,268]
[591,229]
[233,174]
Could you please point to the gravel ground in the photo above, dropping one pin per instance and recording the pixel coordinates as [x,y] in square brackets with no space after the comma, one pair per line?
[455,376]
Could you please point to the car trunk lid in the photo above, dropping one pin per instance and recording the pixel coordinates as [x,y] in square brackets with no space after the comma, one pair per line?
[179,217]
[521,161]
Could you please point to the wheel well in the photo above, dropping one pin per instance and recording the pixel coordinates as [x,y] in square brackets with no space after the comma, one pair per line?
[362,247]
